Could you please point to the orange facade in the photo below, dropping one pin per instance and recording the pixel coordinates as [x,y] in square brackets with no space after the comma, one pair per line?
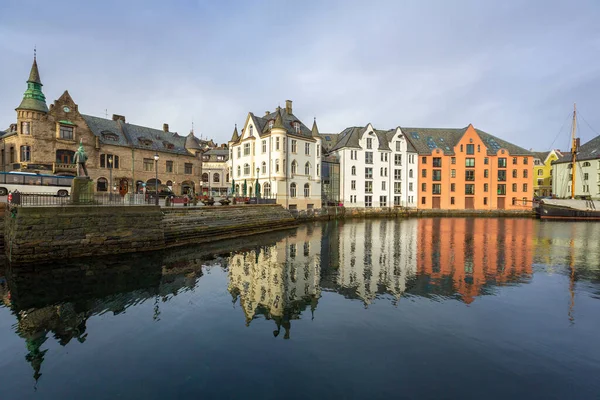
[472,253]
[475,178]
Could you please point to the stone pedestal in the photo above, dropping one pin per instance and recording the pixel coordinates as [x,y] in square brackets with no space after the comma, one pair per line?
[82,190]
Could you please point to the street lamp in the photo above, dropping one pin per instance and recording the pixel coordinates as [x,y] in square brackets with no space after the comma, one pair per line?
[209,191]
[156,180]
[257,188]
[110,183]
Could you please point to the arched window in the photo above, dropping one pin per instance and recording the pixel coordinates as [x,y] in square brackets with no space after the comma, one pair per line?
[205,177]
[264,167]
[237,189]
[410,173]
[514,173]
[318,169]
[170,184]
[277,165]
[227,177]
[307,168]
[293,190]
[216,178]
[586,164]
[294,166]
[246,169]
[239,170]
[267,189]
[251,130]
[102,185]
[306,190]
[353,170]
[25,153]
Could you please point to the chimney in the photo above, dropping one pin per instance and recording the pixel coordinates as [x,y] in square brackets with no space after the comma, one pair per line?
[165,127]
[288,106]
[117,117]
[267,113]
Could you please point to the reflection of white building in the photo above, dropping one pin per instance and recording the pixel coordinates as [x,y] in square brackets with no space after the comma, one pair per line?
[282,154]
[215,172]
[278,281]
[377,256]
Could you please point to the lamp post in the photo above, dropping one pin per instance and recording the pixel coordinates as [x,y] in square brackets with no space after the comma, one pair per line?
[110,183]
[256,188]
[156,179]
[209,189]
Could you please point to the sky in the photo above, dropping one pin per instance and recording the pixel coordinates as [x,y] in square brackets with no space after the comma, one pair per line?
[511,68]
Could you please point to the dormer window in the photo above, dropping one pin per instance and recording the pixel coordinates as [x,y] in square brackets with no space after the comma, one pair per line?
[251,130]
[145,142]
[297,127]
[205,158]
[107,135]
[271,124]
[168,145]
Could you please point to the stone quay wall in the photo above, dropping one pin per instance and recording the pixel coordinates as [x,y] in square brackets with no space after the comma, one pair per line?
[45,234]
[204,224]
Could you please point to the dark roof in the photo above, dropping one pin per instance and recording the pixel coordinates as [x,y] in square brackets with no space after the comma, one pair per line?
[587,151]
[328,140]
[541,155]
[34,75]
[119,133]
[282,119]
[350,137]
[494,143]
[213,153]
[192,142]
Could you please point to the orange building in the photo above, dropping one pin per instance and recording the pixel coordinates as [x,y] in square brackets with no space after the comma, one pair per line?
[474,253]
[470,169]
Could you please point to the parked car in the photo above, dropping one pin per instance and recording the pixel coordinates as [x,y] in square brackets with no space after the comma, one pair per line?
[163,191]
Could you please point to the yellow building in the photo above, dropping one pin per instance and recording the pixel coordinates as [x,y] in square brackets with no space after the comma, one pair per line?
[542,172]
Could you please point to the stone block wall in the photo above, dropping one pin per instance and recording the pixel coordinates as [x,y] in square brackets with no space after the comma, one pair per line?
[204,224]
[34,234]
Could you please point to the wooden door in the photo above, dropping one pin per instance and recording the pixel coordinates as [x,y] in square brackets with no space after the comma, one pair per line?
[469,203]
[501,203]
[437,201]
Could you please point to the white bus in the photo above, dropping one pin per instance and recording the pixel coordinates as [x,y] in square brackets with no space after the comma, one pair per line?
[28,182]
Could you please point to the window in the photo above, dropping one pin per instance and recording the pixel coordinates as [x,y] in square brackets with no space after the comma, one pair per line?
[525,187]
[525,173]
[306,190]
[514,160]
[469,162]
[436,188]
[368,201]
[525,160]
[205,177]
[502,163]
[470,149]
[469,175]
[461,148]
[501,175]
[423,187]
[63,156]
[383,187]
[267,189]
[368,187]
[277,165]
[264,146]
[423,160]
[479,148]
[25,128]
[540,182]
[422,200]
[353,185]
[452,173]
[585,164]
[437,162]
[437,175]
[410,173]
[540,172]
[239,171]
[148,164]
[453,160]
[397,200]
[307,149]
[276,143]
[251,128]
[263,167]
[485,187]
[382,201]
[486,173]
[384,157]
[246,169]
[501,189]
[485,201]
[424,173]
[294,146]
[102,185]
[353,170]
[318,150]
[246,149]
[188,168]
[524,201]
[397,174]
[318,169]
[25,153]
[368,157]
[307,168]
[486,161]
[239,152]
[368,173]
[453,187]
[452,200]
[109,161]
[293,190]
[369,143]
[585,176]
[66,132]
[514,201]
[469,188]
[383,171]
[410,186]
[397,187]
[398,159]
[352,198]
[294,167]
[169,166]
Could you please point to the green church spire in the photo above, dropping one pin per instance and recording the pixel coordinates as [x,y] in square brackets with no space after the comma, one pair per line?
[34,98]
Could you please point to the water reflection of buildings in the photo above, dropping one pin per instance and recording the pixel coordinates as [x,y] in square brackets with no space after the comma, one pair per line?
[278,281]
[462,256]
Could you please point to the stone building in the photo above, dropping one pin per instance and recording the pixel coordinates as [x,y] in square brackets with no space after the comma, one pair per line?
[44,140]
[470,169]
[377,168]
[587,172]
[215,178]
[280,153]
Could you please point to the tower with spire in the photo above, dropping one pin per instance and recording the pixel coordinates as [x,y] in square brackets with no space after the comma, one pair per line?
[33,98]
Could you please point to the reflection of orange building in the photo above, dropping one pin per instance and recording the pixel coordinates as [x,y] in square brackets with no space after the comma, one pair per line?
[470,169]
[472,252]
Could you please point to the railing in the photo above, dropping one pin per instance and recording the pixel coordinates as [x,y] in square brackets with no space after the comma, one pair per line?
[60,167]
[97,199]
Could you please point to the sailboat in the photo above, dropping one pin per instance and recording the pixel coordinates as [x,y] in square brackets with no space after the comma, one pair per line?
[572,208]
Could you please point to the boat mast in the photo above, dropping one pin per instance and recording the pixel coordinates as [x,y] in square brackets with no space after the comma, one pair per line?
[573,151]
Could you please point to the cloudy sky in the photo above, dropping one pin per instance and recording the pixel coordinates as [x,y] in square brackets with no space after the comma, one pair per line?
[511,68]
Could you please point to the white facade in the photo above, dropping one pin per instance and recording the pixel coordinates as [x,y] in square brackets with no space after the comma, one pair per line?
[375,174]
[215,173]
[282,154]
[587,179]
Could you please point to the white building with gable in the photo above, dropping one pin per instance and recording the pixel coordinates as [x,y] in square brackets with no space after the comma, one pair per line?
[280,153]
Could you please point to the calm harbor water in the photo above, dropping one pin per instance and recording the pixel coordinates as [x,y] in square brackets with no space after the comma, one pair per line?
[427,308]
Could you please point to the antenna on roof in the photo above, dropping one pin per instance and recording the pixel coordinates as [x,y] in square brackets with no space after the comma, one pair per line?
[106,113]
[34,52]
[192,126]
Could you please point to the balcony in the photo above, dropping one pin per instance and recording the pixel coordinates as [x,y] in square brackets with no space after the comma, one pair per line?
[62,168]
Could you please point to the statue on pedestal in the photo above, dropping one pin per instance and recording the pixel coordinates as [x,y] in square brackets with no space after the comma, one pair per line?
[80,158]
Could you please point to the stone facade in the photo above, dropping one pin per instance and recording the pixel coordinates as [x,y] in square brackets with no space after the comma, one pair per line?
[44,140]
